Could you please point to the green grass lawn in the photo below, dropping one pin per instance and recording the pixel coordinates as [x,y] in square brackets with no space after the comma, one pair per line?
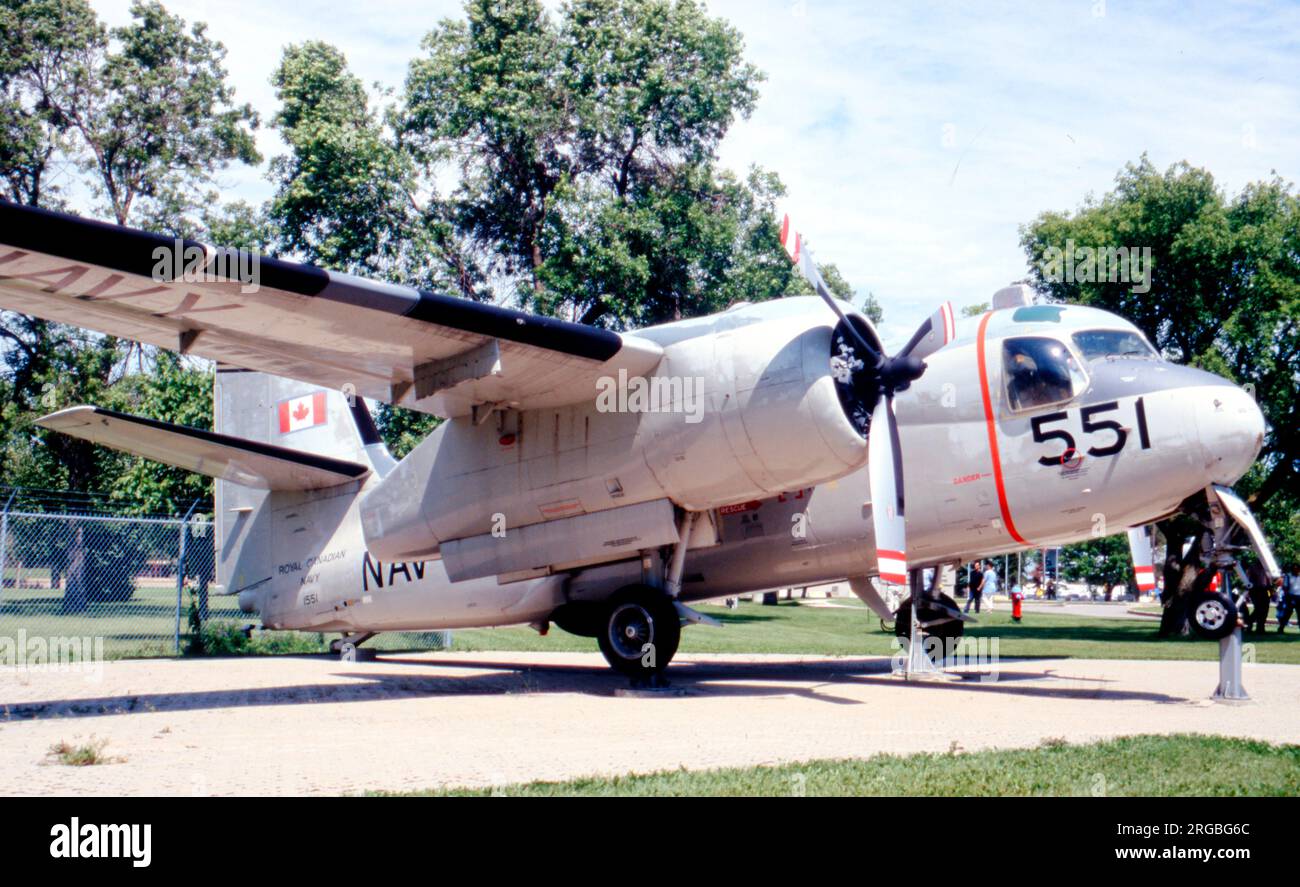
[145,625]
[142,626]
[1180,765]
[853,630]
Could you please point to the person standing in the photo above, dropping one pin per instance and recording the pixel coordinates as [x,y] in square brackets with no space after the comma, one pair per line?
[1260,592]
[974,592]
[1290,601]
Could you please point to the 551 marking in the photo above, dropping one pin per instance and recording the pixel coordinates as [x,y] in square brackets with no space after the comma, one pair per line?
[1091,422]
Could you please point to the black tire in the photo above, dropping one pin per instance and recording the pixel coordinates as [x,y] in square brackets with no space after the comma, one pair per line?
[950,630]
[635,617]
[1212,614]
[585,619]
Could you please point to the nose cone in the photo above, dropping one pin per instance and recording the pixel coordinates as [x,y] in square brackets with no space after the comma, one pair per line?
[1231,430]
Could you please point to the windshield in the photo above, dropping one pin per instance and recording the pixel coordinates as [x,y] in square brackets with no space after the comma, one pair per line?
[1039,371]
[1112,343]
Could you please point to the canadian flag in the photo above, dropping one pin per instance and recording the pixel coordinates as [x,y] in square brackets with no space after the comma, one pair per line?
[298,413]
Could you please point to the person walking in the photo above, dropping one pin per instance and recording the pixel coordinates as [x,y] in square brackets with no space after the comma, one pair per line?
[989,586]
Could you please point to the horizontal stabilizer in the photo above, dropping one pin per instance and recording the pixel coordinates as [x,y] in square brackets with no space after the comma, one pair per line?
[240,461]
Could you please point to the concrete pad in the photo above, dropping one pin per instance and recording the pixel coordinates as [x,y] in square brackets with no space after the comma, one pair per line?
[309,725]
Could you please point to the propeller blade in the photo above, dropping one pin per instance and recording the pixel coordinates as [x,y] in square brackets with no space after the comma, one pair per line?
[802,258]
[938,330]
[885,470]
[1144,571]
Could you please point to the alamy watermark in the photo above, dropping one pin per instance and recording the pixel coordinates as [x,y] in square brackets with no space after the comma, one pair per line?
[972,653]
[1091,264]
[656,394]
[62,654]
[197,264]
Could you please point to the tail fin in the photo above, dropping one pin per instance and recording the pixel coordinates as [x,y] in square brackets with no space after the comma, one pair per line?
[282,413]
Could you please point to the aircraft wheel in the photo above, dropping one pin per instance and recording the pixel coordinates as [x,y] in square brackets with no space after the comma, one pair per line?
[347,652]
[947,630]
[581,618]
[640,632]
[1213,614]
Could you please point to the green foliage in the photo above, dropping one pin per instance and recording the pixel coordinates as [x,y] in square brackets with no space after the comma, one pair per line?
[48,52]
[1099,563]
[224,638]
[1224,295]
[144,110]
[584,150]
[840,288]
[402,429]
[87,754]
[146,115]
[346,196]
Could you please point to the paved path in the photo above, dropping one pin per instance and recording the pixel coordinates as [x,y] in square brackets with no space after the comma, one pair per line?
[316,725]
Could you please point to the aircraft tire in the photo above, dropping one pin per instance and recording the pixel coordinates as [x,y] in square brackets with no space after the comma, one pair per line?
[1212,614]
[947,630]
[640,633]
[582,618]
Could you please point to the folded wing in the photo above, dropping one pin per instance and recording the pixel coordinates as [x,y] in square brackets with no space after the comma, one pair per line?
[434,353]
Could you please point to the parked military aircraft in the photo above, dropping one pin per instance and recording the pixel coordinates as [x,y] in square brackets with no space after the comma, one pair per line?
[603,481]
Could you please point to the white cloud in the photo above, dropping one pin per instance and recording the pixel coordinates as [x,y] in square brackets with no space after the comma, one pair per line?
[1043,103]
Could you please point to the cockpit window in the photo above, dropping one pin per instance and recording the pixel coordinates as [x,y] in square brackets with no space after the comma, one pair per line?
[1112,343]
[1039,371]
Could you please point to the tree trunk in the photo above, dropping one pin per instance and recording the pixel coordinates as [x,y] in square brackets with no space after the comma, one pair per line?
[76,592]
[1178,573]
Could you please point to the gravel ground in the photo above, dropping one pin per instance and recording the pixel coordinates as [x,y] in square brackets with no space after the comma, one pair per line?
[314,725]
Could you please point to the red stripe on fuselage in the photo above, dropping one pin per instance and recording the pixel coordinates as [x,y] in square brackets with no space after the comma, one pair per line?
[991,424]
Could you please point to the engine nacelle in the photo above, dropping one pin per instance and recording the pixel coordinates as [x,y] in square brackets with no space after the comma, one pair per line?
[743,405]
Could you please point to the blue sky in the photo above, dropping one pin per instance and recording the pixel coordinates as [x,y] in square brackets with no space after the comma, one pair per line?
[914,139]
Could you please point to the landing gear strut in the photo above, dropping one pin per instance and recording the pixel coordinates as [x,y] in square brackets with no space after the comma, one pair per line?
[1215,609]
[922,616]
[346,646]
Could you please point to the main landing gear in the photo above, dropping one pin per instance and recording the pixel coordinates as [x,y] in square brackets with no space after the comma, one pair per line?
[346,646]
[639,633]
[929,623]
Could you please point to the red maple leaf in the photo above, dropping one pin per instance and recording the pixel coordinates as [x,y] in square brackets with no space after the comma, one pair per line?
[300,411]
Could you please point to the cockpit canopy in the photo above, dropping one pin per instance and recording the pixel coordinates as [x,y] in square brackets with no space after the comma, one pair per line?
[1094,344]
[1044,370]
[1039,371]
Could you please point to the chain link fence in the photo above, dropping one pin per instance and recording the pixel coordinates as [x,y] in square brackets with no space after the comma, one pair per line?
[139,583]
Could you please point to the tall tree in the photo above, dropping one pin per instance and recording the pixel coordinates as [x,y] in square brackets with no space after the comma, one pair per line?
[1223,293]
[49,52]
[348,196]
[583,147]
[158,118]
[144,121]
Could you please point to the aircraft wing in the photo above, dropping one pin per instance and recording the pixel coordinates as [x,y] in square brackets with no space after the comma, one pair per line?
[245,462]
[434,353]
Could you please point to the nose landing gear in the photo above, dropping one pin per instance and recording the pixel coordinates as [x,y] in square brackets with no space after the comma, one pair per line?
[1215,608]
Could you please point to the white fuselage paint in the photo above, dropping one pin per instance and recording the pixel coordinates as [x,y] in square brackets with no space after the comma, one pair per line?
[961,500]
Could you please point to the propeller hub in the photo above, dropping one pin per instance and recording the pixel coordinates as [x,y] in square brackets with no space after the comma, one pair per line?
[900,371]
